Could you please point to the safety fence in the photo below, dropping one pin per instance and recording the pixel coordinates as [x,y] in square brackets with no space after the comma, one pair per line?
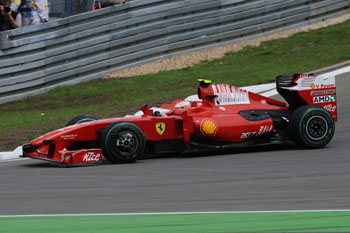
[90,45]
[58,8]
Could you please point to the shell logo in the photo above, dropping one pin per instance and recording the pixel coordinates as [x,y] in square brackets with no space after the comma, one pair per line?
[209,127]
[313,86]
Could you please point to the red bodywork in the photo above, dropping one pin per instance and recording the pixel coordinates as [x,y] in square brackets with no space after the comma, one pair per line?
[319,91]
[214,117]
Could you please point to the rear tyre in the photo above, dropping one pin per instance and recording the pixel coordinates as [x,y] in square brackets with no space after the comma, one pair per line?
[122,142]
[80,119]
[311,127]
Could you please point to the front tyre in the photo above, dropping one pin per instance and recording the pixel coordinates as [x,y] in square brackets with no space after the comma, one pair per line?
[80,119]
[122,142]
[311,127]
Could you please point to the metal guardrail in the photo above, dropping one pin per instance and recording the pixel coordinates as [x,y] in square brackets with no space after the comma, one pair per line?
[90,45]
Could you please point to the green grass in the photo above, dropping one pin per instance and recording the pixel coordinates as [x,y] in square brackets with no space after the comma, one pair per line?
[302,52]
[189,223]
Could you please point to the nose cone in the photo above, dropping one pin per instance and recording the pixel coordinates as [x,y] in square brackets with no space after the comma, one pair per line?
[56,135]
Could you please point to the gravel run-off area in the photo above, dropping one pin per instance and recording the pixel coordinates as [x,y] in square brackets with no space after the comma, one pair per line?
[189,59]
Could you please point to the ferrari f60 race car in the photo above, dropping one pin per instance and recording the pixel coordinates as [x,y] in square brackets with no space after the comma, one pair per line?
[222,116]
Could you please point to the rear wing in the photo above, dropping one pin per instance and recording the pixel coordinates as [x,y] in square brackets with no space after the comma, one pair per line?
[308,89]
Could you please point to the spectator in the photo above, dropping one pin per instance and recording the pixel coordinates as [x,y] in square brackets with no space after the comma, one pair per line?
[7,17]
[43,10]
[97,5]
[33,12]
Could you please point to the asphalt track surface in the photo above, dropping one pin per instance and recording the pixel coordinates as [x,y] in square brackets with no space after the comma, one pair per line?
[251,179]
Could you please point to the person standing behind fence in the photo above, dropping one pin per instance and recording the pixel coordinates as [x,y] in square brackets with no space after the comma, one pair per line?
[33,12]
[7,17]
[43,10]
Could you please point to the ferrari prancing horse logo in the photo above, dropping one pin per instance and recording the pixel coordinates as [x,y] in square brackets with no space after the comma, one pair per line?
[160,127]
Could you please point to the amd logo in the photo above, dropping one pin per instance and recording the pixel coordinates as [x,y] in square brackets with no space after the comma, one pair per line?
[324,99]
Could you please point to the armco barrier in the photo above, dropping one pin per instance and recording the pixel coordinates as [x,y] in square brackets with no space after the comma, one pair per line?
[90,45]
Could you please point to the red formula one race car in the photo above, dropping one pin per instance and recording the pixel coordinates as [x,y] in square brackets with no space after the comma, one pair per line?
[222,116]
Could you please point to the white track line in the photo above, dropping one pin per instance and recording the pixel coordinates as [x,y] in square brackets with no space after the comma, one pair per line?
[12,160]
[338,71]
[176,213]
[269,93]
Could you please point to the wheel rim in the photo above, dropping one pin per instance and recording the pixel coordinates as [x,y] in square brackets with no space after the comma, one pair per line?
[316,127]
[126,143]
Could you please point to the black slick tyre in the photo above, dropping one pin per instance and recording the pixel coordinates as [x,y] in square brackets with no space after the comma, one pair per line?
[80,119]
[311,127]
[122,142]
